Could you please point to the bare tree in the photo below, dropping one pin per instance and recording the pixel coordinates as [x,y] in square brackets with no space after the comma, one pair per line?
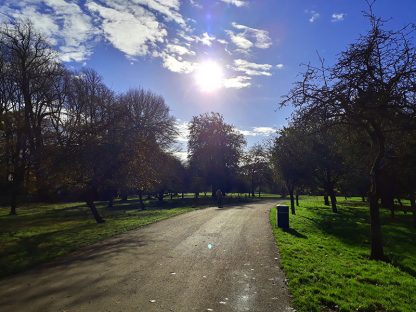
[372,88]
[88,154]
[30,88]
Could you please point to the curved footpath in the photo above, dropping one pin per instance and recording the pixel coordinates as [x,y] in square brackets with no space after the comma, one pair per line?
[206,260]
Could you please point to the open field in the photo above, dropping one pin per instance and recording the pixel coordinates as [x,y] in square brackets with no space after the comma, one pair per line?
[42,232]
[325,257]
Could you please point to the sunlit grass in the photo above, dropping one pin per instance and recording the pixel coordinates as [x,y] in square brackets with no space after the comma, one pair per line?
[325,257]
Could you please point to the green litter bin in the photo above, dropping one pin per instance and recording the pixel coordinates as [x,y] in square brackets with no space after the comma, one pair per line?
[283,216]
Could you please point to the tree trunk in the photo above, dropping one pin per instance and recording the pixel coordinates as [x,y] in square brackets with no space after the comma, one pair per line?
[13,200]
[377,252]
[160,195]
[392,211]
[333,201]
[363,198]
[292,202]
[183,195]
[124,197]
[12,208]
[142,207]
[16,190]
[376,235]
[326,200]
[42,187]
[94,212]
[297,199]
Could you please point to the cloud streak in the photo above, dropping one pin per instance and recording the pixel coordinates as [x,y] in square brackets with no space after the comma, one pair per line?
[258,131]
[245,37]
[237,3]
[337,17]
[313,15]
[252,69]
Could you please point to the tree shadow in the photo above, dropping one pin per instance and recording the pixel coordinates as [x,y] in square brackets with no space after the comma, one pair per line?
[295,233]
[351,226]
[82,269]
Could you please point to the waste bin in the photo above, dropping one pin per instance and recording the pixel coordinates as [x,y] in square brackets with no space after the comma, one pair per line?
[283,216]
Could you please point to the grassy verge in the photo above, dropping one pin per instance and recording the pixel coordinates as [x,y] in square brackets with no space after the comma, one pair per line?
[42,232]
[325,257]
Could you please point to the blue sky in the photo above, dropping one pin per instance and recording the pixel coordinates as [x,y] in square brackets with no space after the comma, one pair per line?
[161,44]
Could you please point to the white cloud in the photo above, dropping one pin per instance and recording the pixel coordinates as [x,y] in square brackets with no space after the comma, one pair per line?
[264,130]
[252,69]
[258,131]
[130,31]
[135,27]
[237,3]
[168,8]
[337,17]
[195,4]
[240,40]
[178,49]
[246,37]
[313,15]
[176,65]
[63,23]
[238,82]
[205,39]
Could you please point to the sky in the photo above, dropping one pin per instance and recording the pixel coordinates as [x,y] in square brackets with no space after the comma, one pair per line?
[235,57]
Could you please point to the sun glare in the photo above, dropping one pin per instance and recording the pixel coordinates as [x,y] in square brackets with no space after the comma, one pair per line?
[209,76]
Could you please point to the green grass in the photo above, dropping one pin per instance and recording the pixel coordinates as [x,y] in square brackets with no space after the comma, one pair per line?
[325,258]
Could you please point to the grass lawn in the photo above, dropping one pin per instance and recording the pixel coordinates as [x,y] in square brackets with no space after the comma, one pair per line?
[42,232]
[325,258]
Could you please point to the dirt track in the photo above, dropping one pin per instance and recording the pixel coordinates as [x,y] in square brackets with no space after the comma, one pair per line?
[207,260]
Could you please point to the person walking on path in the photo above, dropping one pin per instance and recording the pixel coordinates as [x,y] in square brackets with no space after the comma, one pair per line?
[219,196]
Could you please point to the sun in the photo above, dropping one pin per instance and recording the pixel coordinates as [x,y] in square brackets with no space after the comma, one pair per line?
[209,76]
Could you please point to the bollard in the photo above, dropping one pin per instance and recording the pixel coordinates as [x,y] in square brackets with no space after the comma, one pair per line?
[282,216]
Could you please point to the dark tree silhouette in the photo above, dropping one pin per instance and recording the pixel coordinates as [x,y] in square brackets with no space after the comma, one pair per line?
[30,95]
[287,157]
[215,149]
[371,88]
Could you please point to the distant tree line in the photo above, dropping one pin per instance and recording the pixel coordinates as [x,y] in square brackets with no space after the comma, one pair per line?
[353,129]
[64,135]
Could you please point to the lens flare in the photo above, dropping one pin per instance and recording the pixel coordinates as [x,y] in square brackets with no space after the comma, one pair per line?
[209,76]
